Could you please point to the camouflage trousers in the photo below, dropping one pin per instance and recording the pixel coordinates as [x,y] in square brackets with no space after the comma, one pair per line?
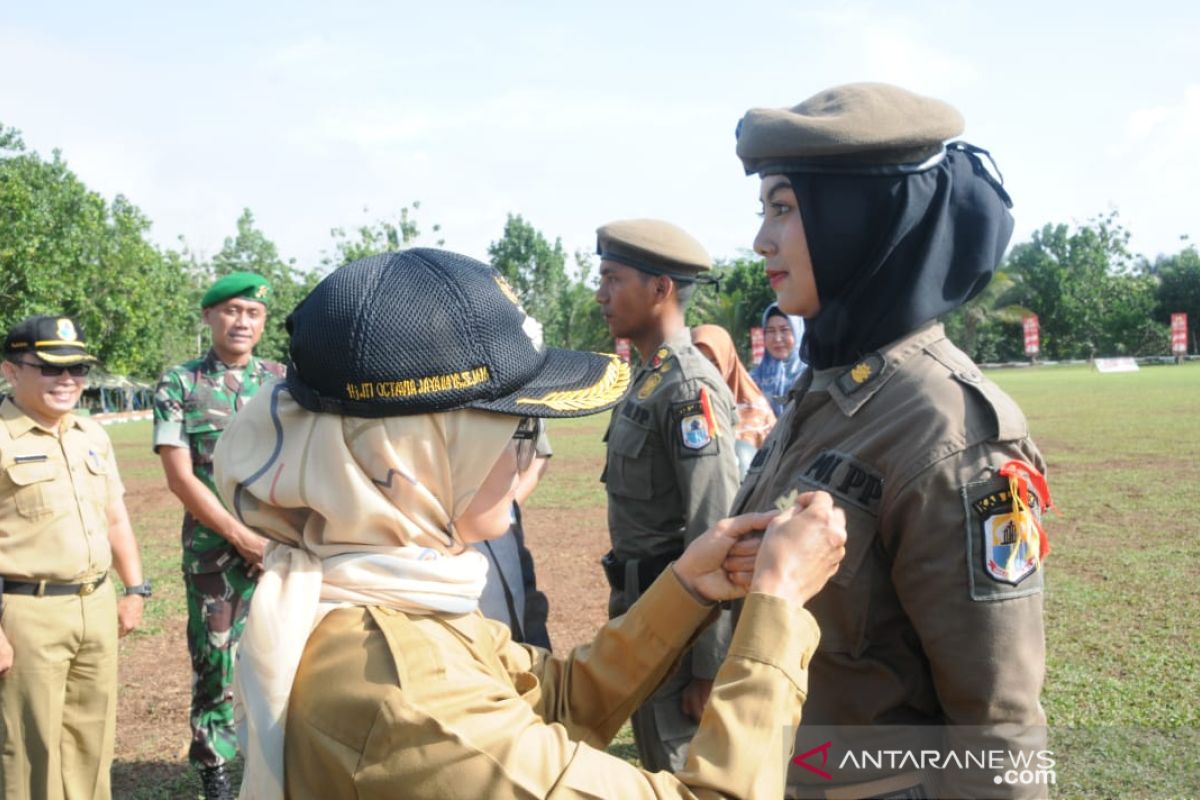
[218,603]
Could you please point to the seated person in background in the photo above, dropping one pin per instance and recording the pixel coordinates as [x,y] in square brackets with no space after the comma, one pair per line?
[755,417]
[511,594]
[781,364]
[366,671]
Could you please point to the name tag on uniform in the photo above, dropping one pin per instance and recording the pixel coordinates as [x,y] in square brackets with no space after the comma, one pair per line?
[30,459]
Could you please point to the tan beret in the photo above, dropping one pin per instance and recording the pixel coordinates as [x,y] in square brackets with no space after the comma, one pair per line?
[859,127]
[653,246]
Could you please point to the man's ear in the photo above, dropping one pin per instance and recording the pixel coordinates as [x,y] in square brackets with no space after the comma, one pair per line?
[663,287]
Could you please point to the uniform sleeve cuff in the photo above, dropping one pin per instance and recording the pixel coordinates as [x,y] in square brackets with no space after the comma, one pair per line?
[169,434]
[763,635]
[677,613]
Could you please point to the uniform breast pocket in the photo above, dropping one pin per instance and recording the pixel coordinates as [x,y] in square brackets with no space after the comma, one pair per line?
[630,471]
[97,470]
[33,484]
[842,608]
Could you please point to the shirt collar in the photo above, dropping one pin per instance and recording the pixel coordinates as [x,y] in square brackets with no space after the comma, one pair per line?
[19,423]
[213,363]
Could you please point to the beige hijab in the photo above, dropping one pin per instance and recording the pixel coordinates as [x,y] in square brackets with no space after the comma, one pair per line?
[755,417]
[360,512]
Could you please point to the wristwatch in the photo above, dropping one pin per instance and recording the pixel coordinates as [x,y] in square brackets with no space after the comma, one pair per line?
[143,588]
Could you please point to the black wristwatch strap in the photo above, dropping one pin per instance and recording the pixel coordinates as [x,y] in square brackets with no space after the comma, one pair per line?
[143,588]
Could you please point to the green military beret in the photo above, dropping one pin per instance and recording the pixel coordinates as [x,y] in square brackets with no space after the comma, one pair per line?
[654,246]
[870,128]
[237,284]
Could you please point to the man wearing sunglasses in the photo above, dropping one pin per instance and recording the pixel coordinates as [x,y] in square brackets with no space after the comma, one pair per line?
[63,525]
[194,402]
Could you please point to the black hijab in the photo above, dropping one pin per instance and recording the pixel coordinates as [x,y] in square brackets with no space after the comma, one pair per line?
[892,252]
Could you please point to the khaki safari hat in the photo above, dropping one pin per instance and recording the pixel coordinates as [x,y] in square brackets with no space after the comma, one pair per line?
[428,330]
[655,247]
[54,340]
[862,128]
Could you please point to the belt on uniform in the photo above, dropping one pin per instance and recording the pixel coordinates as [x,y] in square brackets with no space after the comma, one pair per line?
[647,569]
[49,589]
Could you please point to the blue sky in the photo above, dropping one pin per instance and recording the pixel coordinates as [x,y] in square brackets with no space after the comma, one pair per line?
[576,114]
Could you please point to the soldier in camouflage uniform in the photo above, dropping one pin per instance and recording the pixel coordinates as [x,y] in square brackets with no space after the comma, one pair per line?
[194,402]
[671,470]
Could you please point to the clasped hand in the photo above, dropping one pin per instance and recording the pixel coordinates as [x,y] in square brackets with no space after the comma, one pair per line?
[789,554]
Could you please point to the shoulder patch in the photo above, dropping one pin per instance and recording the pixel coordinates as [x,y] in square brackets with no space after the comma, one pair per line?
[1003,548]
[696,426]
[864,372]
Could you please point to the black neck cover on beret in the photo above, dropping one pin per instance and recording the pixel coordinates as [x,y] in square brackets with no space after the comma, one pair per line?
[892,252]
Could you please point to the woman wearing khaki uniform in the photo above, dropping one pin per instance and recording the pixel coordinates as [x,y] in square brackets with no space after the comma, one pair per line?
[366,670]
[872,229]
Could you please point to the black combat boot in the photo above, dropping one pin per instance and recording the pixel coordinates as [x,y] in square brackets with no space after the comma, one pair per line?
[217,785]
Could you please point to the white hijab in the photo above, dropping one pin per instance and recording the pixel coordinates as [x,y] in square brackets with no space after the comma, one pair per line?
[360,512]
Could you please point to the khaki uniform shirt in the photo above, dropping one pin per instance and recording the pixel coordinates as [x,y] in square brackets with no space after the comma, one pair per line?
[54,496]
[668,478]
[920,625]
[389,705]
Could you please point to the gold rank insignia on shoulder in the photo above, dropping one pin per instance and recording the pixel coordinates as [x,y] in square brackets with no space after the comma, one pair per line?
[865,371]
[649,386]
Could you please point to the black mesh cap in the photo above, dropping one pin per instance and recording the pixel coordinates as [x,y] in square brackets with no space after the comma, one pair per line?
[427,330]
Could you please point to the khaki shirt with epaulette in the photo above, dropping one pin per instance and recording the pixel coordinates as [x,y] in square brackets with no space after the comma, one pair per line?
[921,625]
[55,490]
[669,476]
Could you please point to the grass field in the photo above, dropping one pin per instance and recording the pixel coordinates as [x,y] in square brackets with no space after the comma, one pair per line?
[1122,604]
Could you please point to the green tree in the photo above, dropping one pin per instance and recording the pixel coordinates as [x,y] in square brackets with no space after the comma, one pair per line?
[537,272]
[736,302]
[584,324]
[251,251]
[63,249]
[988,328]
[1179,290]
[1084,285]
[374,238]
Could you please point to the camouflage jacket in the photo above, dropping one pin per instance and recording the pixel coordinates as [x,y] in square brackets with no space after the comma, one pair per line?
[193,403]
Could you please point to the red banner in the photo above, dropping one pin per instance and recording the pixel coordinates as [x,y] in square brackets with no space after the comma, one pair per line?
[757,345]
[1030,324]
[1179,334]
[623,350]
